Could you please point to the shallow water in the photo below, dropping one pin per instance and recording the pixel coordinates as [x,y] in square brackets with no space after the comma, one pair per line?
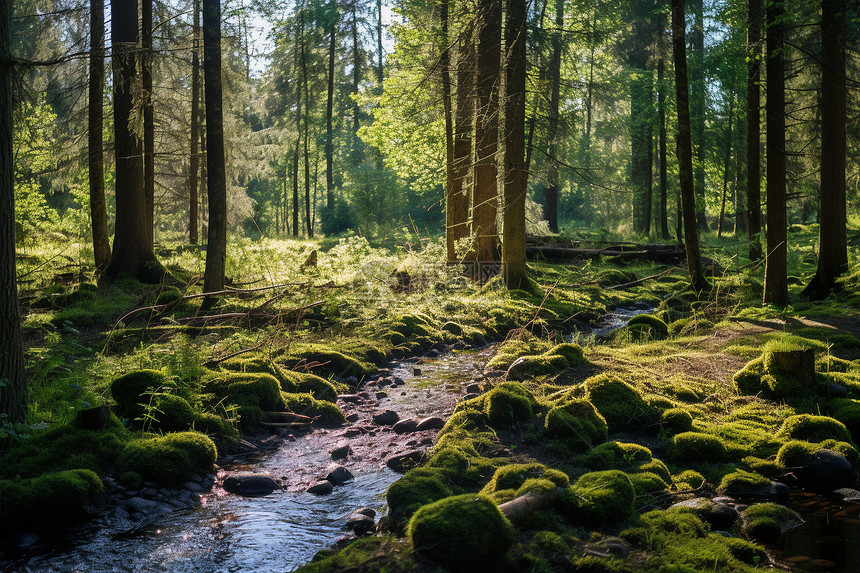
[278,532]
[617,318]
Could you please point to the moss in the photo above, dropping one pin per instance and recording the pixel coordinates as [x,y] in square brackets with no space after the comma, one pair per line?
[697,447]
[830,363]
[252,392]
[457,454]
[677,420]
[168,295]
[740,482]
[171,413]
[578,422]
[617,456]
[508,404]
[687,480]
[214,425]
[333,359]
[768,521]
[658,468]
[599,498]
[64,496]
[571,352]
[417,488]
[747,381]
[647,483]
[128,389]
[813,429]
[526,367]
[647,327]
[464,532]
[620,404]
[792,453]
[169,459]
[307,405]
[847,411]
[513,480]
[510,350]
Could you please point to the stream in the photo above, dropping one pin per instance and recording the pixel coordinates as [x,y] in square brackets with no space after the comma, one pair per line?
[285,529]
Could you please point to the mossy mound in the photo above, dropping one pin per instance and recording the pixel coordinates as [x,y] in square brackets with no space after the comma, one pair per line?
[647,327]
[765,374]
[168,459]
[847,411]
[697,447]
[792,453]
[417,488]
[747,380]
[551,362]
[513,480]
[63,496]
[739,482]
[630,458]
[251,392]
[510,350]
[457,454]
[326,359]
[600,498]
[170,413]
[620,404]
[503,407]
[307,405]
[129,389]
[213,425]
[676,420]
[810,428]
[578,423]
[463,532]
[647,483]
[688,480]
[767,522]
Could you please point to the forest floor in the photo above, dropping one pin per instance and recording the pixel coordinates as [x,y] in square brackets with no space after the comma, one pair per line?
[624,425]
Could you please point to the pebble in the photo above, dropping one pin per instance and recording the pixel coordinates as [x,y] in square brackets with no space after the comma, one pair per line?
[432,423]
[340,452]
[339,475]
[399,381]
[386,418]
[321,487]
[381,395]
[405,427]
[473,389]
[405,461]
[250,484]
[192,486]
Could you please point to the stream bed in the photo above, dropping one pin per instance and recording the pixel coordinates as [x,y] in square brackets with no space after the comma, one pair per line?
[285,529]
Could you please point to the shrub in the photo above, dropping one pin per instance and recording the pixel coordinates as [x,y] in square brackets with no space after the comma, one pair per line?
[463,532]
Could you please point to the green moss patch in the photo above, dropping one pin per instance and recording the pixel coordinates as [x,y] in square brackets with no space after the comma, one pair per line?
[168,459]
[513,480]
[620,404]
[49,500]
[813,429]
[647,327]
[768,521]
[600,498]
[307,405]
[131,390]
[578,423]
[697,447]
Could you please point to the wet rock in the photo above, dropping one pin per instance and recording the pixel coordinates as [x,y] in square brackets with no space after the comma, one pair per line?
[720,515]
[341,452]
[140,505]
[459,345]
[352,432]
[351,381]
[386,418]
[26,540]
[826,470]
[322,487]
[837,390]
[438,346]
[494,374]
[192,486]
[432,423]
[416,371]
[250,484]
[120,513]
[381,395]
[368,511]
[473,389]
[339,475]
[469,396]
[404,462]
[398,381]
[350,398]
[848,494]
[614,546]
[383,382]
[350,418]
[405,427]
[433,353]
[360,523]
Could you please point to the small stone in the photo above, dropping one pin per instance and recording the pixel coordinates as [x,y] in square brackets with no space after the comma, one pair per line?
[339,475]
[250,484]
[432,423]
[352,432]
[405,427]
[469,396]
[322,487]
[404,462]
[368,511]
[350,418]
[416,372]
[473,389]
[360,523]
[351,381]
[350,398]
[848,494]
[381,395]
[837,390]
[397,381]
[120,513]
[386,418]
[383,382]
[433,353]
[341,452]
[140,505]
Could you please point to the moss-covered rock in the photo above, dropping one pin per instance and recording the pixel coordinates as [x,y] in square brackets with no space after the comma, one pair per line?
[741,483]
[697,447]
[513,480]
[129,389]
[688,480]
[508,404]
[676,420]
[463,532]
[747,380]
[49,500]
[812,428]
[307,405]
[213,425]
[252,392]
[168,459]
[768,521]
[600,498]
[620,404]
[793,453]
[170,413]
[510,350]
[646,483]
[647,327]
[578,423]
[417,488]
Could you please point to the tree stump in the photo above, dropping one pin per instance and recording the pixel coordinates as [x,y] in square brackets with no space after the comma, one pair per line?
[797,363]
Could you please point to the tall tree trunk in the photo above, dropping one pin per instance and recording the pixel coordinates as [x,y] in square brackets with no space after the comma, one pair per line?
[514,218]
[379,53]
[697,108]
[98,211]
[13,394]
[776,263]
[356,80]
[296,190]
[445,65]
[458,193]
[685,149]
[589,107]
[488,77]
[661,116]
[728,158]
[194,160]
[329,111]
[550,192]
[216,249]
[833,253]
[148,117]
[754,128]
[640,113]
[132,248]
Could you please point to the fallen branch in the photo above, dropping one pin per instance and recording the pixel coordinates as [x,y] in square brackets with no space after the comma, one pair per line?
[517,510]
[285,424]
[642,280]
[217,361]
[288,418]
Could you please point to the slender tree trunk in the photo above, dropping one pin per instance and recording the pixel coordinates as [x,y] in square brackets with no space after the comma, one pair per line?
[98,211]
[776,264]
[194,160]
[356,80]
[148,117]
[13,393]
[661,113]
[487,130]
[550,192]
[833,253]
[329,112]
[379,53]
[754,128]
[458,193]
[445,65]
[728,158]
[132,252]
[216,249]
[296,190]
[516,175]
[685,149]
[589,106]
[303,81]
[697,108]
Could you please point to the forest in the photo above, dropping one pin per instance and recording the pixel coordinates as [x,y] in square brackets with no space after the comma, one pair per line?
[430,285]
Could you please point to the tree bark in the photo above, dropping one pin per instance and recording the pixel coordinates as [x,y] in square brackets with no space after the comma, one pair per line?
[728,158]
[296,190]
[95,139]
[550,192]
[833,253]
[13,390]
[356,80]
[516,175]
[661,116]
[754,129]
[685,149]
[216,249]
[194,159]
[445,65]
[329,110]
[458,193]
[132,248]
[379,68]
[488,77]
[640,115]
[697,108]
[776,263]
[148,116]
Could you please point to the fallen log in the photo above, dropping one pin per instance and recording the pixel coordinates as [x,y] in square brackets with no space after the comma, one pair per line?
[661,253]
[517,510]
[287,418]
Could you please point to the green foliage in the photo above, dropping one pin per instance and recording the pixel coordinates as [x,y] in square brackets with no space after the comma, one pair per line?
[133,389]
[417,488]
[462,532]
[307,405]
[168,459]
[64,496]
[677,420]
[513,480]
